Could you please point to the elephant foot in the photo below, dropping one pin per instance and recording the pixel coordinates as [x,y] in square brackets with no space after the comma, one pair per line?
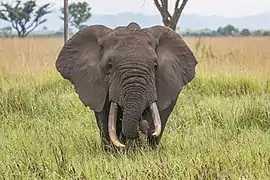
[153,141]
[133,144]
[143,127]
[108,147]
[105,143]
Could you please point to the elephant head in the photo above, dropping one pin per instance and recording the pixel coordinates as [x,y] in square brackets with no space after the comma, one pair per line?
[134,69]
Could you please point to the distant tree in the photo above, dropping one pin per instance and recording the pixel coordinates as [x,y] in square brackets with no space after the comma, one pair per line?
[168,19]
[220,31]
[258,32]
[78,13]
[214,33]
[228,30]
[266,33]
[24,17]
[245,32]
[6,31]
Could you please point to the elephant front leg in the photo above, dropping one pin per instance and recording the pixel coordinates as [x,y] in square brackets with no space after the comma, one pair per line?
[164,115]
[102,122]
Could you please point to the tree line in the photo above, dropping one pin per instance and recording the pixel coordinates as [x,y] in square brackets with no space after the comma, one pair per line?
[26,17]
[228,30]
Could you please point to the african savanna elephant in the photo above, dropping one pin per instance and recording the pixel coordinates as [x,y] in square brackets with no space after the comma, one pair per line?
[127,76]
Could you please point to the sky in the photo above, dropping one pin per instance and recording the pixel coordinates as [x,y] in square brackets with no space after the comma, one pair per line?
[227,8]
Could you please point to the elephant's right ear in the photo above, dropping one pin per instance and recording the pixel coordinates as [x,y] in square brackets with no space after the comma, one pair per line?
[176,64]
[79,62]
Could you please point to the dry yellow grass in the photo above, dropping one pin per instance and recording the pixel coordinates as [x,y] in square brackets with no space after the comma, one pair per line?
[29,54]
[233,55]
[220,55]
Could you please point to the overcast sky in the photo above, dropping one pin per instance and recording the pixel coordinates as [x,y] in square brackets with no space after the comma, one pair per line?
[228,8]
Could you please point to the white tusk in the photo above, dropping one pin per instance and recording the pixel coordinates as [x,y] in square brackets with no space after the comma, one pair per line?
[156,119]
[112,125]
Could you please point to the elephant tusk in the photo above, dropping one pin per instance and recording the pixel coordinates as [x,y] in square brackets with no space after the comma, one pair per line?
[156,119]
[112,125]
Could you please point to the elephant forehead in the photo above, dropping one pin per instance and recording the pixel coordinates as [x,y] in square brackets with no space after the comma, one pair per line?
[133,48]
[128,31]
[126,36]
[135,53]
[131,44]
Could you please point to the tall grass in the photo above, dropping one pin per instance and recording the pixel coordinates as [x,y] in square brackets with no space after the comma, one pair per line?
[219,128]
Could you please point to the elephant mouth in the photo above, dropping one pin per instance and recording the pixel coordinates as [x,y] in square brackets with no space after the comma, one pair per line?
[113,117]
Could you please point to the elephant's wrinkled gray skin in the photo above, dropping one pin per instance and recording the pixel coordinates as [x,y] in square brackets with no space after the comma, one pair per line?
[131,67]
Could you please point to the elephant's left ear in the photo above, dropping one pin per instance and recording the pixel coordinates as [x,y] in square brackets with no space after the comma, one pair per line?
[176,64]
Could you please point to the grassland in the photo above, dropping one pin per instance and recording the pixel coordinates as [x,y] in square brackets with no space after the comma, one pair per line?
[218,130]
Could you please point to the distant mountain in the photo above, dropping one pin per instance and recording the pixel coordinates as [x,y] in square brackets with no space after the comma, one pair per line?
[187,21]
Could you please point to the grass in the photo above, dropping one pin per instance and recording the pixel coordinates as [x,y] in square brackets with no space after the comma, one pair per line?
[218,130]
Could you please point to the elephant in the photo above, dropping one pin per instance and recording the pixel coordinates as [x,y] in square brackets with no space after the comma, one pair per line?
[128,76]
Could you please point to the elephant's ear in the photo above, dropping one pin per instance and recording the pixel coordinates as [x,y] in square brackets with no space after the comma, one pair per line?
[176,64]
[79,62]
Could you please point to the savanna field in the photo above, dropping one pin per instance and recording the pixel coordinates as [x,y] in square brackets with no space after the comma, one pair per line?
[218,130]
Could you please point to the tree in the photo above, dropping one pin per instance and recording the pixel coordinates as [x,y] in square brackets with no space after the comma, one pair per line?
[24,17]
[228,30]
[6,31]
[266,33]
[168,19]
[258,32]
[245,32]
[78,13]
[65,12]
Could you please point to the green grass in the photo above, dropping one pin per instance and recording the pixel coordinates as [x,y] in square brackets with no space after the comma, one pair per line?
[218,130]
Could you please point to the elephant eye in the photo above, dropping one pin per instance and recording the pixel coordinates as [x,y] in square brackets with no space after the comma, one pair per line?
[109,66]
[155,65]
[101,49]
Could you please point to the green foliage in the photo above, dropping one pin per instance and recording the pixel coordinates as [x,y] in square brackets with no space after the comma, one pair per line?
[78,13]
[24,17]
[219,129]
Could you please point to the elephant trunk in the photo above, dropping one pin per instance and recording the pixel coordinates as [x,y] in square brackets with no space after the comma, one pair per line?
[136,93]
[133,109]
